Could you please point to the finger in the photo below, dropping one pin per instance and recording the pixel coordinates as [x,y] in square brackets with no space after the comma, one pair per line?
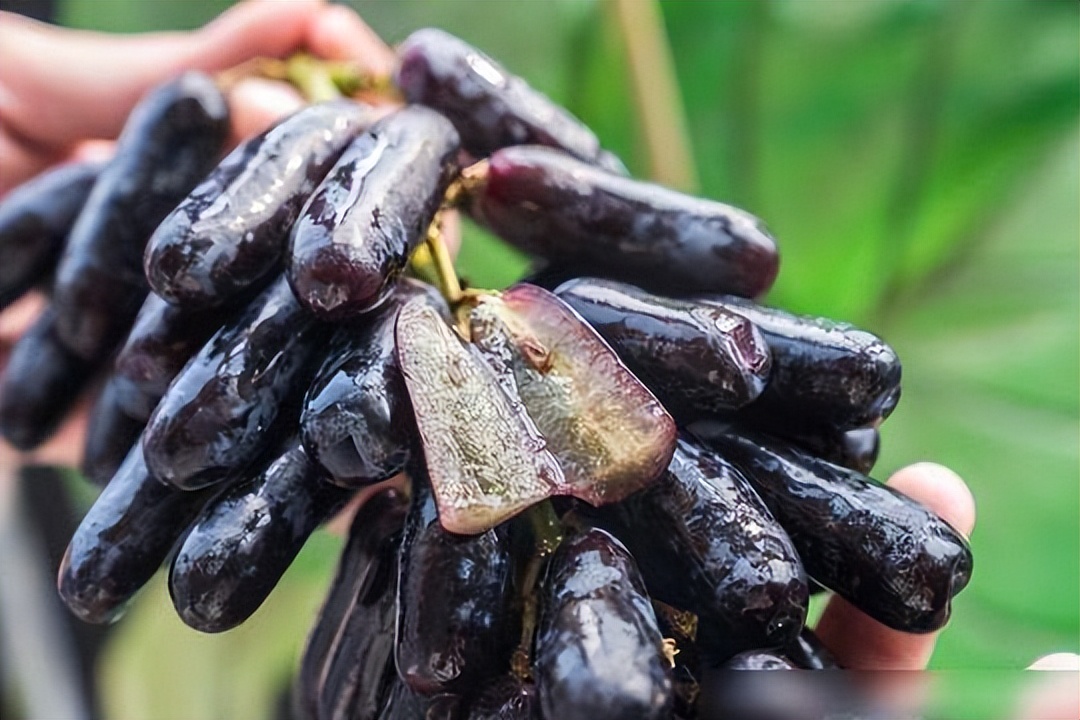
[862,643]
[338,33]
[20,160]
[1051,695]
[257,104]
[63,85]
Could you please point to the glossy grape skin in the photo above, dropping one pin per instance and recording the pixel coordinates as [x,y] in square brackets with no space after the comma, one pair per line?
[760,660]
[705,542]
[357,421]
[825,373]
[506,698]
[232,230]
[549,204]
[598,648]
[35,219]
[245,539]
[123,540]
[356,232]
[110,435]
[171,140]
[455,626]
[701,358]
[162,340]
[404,704]
[348,659]
[808,653]
[490,107]
[882,551]
[855,449]
[40,384]
[548,275]
[214,419]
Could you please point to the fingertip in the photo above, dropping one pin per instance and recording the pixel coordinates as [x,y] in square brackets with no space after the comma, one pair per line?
[338,33]
[1051,695]
[941,490]
[1057,661]
[271,28]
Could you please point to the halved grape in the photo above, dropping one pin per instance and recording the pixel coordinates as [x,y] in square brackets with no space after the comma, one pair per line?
[610,434]
[486,465]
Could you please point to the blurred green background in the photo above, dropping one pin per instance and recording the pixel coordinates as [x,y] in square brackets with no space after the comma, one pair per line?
[918,162]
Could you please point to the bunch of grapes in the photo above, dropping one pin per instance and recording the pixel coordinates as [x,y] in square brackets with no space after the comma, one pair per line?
[622,472]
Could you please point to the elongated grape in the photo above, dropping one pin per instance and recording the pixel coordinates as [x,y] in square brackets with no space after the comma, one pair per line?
[485,463]
[110,435]
[455,626]
[41,382]
[550,204]
[705,542]
[490,107]
[171,140]
[162,340]
[696,358]
[506,698]
[35,219]
[245,539]
[123,540]
[610,434]
[357,422]
[854,449]
[598,649]
[232,230]
[808,652]
[882,551]
[348,659]
[214,419]
[825,373]
[355,234]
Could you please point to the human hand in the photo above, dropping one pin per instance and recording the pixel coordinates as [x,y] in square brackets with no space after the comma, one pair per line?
[61,87]
[65,94]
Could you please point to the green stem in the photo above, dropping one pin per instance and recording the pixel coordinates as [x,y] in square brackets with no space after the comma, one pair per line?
[312,78]
[445,275]
[547,534]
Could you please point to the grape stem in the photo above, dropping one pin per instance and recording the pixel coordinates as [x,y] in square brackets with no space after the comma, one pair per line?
[547,534]
[466,185]
[316,79]
[445,276]
[312,78]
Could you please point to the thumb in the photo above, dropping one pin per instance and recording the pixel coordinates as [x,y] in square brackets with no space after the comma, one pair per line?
[58,86]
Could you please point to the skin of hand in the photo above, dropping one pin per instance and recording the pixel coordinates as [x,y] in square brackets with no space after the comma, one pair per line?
[59,87]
